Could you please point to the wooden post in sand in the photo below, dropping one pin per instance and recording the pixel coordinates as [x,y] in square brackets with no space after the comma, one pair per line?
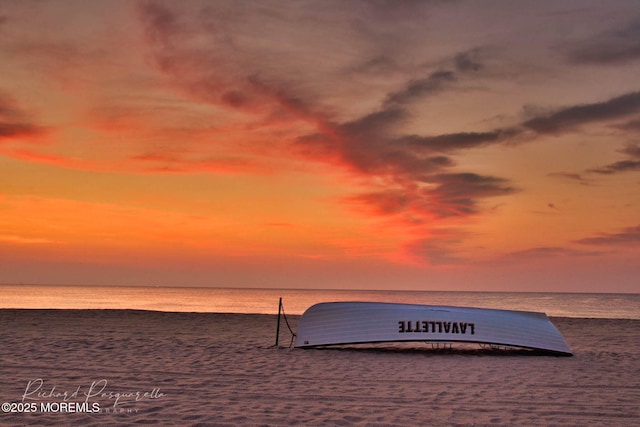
[278,327]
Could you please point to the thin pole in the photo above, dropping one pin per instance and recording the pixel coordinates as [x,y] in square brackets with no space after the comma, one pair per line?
[278,327]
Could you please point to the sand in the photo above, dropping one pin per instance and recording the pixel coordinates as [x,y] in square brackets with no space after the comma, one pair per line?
[222,369]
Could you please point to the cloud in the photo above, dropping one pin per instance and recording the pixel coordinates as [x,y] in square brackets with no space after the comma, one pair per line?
[386,202]
[410,177]
[615,46]
[370,147]
[571,117]
[459,141]
[468,61]
[457,194]
[545,252]
[627,165]
[413,169]
[420,189]
[161,23]
[8,129]
[627,236]
[370,144]
[620,166]
[14,121]
[632,150]
[210,55]
[212,74]
[380,123]
[570,176]
[417,89]
[218,54]
[633,125]
[436,196]
[462,64]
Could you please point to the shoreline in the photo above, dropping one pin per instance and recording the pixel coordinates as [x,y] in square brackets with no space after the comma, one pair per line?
[291,316]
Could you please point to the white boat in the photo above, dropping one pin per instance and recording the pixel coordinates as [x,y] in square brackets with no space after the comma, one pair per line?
[340,323]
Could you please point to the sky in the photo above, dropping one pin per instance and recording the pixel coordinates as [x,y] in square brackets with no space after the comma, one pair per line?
[427,145]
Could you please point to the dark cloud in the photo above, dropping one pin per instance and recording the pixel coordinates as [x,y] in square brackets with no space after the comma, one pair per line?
[211,74]
[436,82]
[367,146]
[543,252]
[617,46]
[576,177]
[572,117]
[16,129]
[459,141]
[413,167]
[468,61]
[627,165]
[627,236]
[417,89]
[632,125]
[548,252]
[442,195]
[379,123]
[620,166]
[388,202]
[457,194]
[161,23]
[632,150]
[396,164]
[13,120]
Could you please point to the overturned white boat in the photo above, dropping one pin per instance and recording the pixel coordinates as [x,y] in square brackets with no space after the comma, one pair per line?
[340,323]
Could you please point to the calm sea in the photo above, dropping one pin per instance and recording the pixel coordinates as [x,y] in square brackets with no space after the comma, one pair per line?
[265,301]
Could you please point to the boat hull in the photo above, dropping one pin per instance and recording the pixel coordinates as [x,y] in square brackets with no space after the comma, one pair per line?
[340,323]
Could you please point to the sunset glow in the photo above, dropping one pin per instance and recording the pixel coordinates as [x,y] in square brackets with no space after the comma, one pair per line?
[363,144]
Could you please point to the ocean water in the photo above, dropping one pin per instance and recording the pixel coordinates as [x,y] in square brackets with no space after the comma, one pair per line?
[265,301]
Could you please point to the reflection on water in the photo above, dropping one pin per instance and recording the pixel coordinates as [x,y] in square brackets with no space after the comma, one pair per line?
[265,301]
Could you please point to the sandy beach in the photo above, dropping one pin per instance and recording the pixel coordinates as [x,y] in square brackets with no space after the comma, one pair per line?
[118,367]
